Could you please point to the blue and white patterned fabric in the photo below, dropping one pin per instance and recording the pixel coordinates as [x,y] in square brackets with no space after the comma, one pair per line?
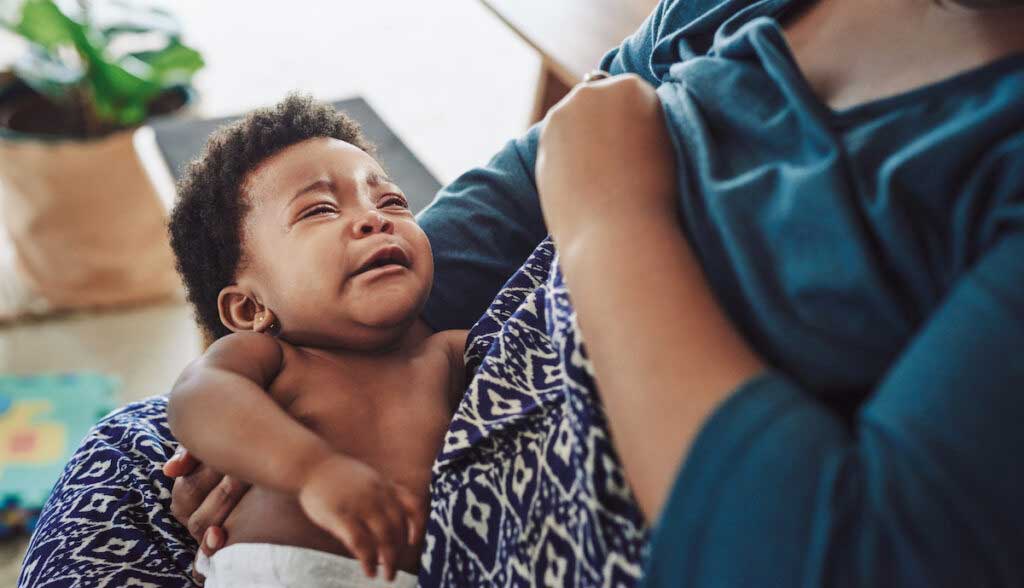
[528,490]
[108,520]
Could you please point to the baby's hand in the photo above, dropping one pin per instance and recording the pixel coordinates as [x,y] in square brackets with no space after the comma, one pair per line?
[373,517]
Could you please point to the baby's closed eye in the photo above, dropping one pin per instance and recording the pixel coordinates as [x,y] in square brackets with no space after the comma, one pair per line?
[390,200]
[317,210]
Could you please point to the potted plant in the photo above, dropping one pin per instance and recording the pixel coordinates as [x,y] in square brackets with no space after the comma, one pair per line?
[83,217]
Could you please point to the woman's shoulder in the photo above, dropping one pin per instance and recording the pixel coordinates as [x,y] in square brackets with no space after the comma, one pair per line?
[678,30]
[684,12]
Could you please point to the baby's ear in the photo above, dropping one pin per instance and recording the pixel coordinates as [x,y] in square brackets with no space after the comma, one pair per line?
[239,310]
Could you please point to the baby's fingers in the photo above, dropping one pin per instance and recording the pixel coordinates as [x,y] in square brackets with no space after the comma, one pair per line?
[389,535]
[415,514]
[360,541]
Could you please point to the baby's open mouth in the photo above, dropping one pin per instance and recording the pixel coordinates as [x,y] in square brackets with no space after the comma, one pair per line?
[385,256]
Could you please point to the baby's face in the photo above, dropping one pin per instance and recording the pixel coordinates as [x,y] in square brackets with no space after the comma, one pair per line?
[332,249]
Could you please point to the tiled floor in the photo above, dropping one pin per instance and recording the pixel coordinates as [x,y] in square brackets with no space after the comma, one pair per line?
[446,76]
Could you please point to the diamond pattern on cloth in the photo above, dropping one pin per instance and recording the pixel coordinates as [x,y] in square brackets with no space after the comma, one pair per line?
[528,490]
[108,520]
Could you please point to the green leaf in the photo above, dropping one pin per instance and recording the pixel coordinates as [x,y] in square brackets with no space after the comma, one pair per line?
[121,92]
[121,110]
[174,64]
[131,113]
[44,24]
[120,89]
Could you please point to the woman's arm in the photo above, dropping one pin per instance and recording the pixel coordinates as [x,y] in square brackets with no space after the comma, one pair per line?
[607,182]
[669,357]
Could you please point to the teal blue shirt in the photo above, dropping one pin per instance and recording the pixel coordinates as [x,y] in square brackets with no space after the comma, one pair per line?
[873,256]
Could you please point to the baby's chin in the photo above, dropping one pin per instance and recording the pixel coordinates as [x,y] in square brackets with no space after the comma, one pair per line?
[386,307]
[377,324]
[367,334]
[387,316]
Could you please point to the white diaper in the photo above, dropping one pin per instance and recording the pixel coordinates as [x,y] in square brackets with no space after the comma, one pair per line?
[263,565]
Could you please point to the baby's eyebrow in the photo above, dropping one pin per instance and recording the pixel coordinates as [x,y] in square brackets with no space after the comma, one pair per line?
[375,179]
[320,184]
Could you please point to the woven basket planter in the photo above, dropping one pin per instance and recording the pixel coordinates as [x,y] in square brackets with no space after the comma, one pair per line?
[85,221]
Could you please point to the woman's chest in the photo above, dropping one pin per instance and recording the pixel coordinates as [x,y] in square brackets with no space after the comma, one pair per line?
[828,245]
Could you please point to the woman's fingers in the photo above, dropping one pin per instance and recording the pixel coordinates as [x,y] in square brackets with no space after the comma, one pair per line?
[189,492]
[213,540]
[180,464]
[217,505]
[199,578]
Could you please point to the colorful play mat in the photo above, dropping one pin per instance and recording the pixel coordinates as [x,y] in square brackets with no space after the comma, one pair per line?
[43,418]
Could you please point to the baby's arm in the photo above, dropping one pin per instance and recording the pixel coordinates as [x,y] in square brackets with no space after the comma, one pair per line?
[221,410]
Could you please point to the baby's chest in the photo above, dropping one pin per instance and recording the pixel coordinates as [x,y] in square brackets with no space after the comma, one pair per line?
[373,410]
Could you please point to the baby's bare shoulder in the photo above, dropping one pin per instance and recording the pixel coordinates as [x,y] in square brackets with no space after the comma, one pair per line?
[253,355]
[451,343]
[295,365]
[450,349]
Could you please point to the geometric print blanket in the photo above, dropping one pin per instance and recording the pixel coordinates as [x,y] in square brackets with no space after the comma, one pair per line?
[108,520]
[527,490]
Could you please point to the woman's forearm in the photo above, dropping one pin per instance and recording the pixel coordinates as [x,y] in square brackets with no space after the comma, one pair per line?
[663,352]
[234,426]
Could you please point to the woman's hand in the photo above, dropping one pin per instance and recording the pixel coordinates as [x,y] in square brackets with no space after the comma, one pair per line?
[201,499]
[373,517]
[605,157]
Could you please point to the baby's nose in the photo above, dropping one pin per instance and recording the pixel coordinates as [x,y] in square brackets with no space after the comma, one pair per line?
[373,222]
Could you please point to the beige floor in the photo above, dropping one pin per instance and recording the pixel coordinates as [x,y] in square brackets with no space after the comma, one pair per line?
[445,75]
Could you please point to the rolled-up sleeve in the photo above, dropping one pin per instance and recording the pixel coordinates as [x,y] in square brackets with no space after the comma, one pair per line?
[482,227]
[921,489]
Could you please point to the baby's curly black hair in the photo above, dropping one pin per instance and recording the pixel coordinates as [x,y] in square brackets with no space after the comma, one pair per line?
[206,224]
